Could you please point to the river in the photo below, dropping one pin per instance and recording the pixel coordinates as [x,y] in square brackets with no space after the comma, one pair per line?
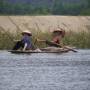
[44,71]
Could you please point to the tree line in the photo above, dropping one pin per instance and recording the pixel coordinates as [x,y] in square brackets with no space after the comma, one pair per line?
[57,8]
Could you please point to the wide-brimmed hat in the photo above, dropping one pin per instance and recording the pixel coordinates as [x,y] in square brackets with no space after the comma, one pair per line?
[27,32]
[59,30]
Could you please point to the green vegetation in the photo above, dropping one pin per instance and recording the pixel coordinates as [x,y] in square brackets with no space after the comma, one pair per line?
[21,9]
[80,39]
[55,7]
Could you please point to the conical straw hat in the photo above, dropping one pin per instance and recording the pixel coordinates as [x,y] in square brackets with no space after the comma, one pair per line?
[27,32]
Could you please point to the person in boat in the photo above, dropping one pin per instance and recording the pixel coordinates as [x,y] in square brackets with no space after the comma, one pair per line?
[25,43]
[57,36]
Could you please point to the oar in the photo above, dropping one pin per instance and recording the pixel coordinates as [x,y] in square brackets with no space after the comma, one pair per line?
[71,49]
[66,47]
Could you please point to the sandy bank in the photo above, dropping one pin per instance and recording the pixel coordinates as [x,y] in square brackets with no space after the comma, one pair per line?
[74,23]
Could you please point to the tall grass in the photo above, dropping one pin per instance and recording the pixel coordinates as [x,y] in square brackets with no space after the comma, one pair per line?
[78,39]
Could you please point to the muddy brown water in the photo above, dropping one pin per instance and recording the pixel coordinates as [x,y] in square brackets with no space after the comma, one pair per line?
[44,71]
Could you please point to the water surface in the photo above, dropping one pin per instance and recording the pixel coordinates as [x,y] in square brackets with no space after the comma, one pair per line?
[67,71]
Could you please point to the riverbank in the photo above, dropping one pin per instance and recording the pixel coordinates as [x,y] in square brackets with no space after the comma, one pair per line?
[77,39]
[45,23]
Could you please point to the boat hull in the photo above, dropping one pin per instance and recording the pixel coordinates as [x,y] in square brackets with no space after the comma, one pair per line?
[29,52]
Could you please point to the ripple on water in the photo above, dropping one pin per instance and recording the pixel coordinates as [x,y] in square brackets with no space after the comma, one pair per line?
[68,71]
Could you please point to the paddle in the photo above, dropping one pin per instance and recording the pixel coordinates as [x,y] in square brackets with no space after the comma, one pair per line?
[66,47]
[55,44]
[71,49]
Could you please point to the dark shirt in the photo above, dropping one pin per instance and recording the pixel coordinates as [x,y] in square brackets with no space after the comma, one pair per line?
[27,40]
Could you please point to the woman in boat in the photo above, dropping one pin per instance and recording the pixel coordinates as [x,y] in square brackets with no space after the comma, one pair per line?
[57,36]
[25,43]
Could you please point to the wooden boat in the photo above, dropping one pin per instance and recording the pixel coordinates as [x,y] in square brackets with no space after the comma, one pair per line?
[42,50]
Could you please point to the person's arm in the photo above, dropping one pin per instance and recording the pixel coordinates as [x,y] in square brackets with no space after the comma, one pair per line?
[25,46]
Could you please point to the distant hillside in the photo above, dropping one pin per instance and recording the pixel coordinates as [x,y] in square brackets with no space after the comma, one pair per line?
[45,7]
